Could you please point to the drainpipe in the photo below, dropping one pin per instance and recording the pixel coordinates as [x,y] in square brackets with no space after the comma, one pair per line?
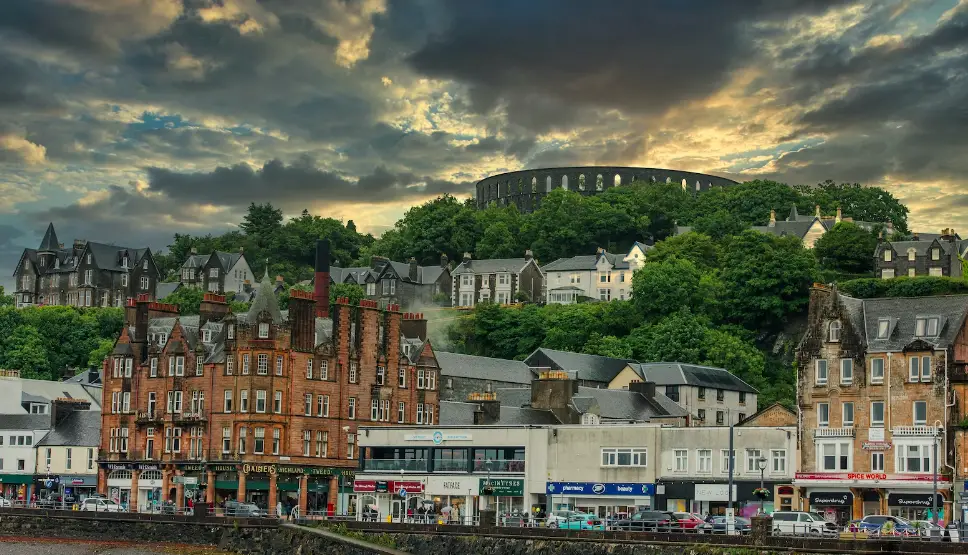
[944,438]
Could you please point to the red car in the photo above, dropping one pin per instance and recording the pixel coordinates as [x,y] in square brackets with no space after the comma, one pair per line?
[688,521]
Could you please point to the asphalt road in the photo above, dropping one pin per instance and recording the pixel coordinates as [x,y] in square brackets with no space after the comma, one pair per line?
[14,547]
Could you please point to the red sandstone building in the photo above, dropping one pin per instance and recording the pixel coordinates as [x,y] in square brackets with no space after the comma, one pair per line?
[261,406]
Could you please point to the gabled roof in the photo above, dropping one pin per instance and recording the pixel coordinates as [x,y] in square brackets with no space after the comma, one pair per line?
[922,247]
[81,428]
[108,257]
[593,368]
[195,261]
[227,259]
[492,266]
[902,313]
[586,263]
[51,390]
[614,404]
[483,368]
[166,288]
[677,373]
[49,242]
[24,422]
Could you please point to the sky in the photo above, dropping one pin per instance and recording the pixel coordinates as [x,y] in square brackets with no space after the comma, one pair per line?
[127,121]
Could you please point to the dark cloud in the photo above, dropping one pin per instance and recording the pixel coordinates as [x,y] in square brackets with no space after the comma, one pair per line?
[300,182]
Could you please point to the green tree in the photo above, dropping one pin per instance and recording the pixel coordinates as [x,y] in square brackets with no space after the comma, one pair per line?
[655,207]
[263,223]
[497,242]
[695,247]
[765,279]
[607,346]
[719,224]
[25,350]
[443,225]
[846,248]
[188,299]
[667,286]
[866,204]
[101,352]
[749,203]
[567,224]
[5,300]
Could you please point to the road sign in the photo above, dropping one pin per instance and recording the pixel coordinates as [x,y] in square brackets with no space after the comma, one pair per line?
[186,480]
[402,492]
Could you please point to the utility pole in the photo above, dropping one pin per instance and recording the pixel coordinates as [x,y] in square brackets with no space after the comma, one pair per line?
[732,462]
[934,479]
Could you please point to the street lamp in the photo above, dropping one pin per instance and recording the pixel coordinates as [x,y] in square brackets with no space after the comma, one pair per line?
[934,472]
[487,490]
[761,463]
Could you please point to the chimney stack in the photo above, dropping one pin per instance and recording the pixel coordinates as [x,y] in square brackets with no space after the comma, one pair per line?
[212,308]
[413,269]
[302,320]
[414,325]
[838,215]
[646,389]
[444,261]
[321,291]
[528,255]
[772,218]
[194,250]
[488,409]
[816,211]
[467,259]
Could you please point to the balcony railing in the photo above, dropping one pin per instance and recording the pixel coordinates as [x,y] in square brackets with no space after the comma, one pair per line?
[499,465]
[391,465]
[147,416]
[915,431]
[197,416]
[450,465]
[833,432]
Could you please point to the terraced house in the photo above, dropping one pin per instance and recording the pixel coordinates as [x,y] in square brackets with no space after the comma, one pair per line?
[875,403]
[87,274]
[409,285]
[497,280]
[261,406]
[217,272]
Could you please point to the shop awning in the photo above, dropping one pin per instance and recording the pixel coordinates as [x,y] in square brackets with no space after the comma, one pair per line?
[20,479]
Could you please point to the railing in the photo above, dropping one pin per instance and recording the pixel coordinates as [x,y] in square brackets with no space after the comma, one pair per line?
[385,465]
[498,465]
[833,432]
[922,431]
[450,465]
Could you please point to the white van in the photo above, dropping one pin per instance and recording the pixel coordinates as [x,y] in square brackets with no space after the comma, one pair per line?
[802,523]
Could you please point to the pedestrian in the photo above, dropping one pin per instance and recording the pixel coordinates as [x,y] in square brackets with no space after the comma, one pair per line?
[279,512]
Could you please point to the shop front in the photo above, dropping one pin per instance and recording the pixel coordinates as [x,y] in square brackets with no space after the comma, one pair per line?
[835,506]
[508,494]
[149,490]
[603,499]
[226,482]
[712,499]
[914,506]
[78,486]
[379,499]
[193,479]
[451,498]
[16,486]
[871,492]
[119,484]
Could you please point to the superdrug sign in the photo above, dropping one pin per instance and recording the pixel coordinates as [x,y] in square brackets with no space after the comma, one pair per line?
[912,500]
[827,499]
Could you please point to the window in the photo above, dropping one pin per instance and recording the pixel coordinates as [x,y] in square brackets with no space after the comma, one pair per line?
[352,408]
[401,412]
[877,414]
[90,459]
[279,362]
[276,440]
[604,294]
[68,458]
[702,393]
[919,369]
[353,371]
[243,432]
[263,365]
[245,364]
[720,395]
[124,280]
[823,415]
[144,284]
[199,366]
[705,460]
[821,372]
[260,400]
[883,328]
[153,367]
[913,458]
[371,289]
[402,377]
[724,462]
[887,255]
[935,253]
[835,456]
[682,460]
[720,417]
[230,331]
[260,441]
[375,409]
[126,402]
[226,440]
[308,404]
[179,366]
[324,369]
[350,445]
[848,415]
[834,331]
[778,461]
[742,398]
[88,276]
[926,327]
[229,365]
[381,375]
[672,392]
[324,405]
[753,460]
[277,402]
[264,330]
[701,414]
[936,272]
[877,462]
[322,444]
[877,370]
[846,371]
[173,440]
[624,457]
[912,272]
[309,369]
[920,413]
[306,439]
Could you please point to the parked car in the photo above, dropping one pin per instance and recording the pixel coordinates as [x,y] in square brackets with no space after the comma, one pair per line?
[649,521]
[101,505]
[803,523]
[5,503]
[582,521]
[234,508]
[927,528]
[56,501]
[557,517]
[688,521]
[887,525]
[719,525]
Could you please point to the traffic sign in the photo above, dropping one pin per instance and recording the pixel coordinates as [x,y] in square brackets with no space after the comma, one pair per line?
[402,492]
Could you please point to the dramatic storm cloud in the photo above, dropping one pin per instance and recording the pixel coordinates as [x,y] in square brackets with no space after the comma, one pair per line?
[130,120]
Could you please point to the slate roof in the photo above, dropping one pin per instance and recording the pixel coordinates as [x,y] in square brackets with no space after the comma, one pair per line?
[195,261]
[491,266]
[228,259]
[453,413]
[265,300]
[902,314]
[166,288]
[483,368]
[349,275]
[50,390]
[922,247]
[614,404]
[585,263]
[81,428]
[676,373]
[108,257]
[49,242]
[25,422]
[593,368]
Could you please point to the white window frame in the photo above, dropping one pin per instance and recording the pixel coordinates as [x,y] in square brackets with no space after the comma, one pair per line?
[821,378]
[704,461]
[681,458]
[914,413]
[263,330]
[823,415]
[261,398]
[877,423]
[925,455]
[635,457]
[846,377]
[877,462]
[845,421]
[877,377]
[841,448]
[778,461]
[724,460]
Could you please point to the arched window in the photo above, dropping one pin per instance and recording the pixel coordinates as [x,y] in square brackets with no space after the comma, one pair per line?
[669,180]
[548,184]
[599,182]
[581,182]
[520,185]
[697,186]
[835,331]
[617,181]
[120,475]
[150,475]
[564,182]
[534,184]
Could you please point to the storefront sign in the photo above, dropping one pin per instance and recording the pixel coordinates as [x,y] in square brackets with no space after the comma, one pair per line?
[452,485]
[131,466]
[875,434]
[828,499]
[186,480]
[876,445]
[912,500]
[191,467]
[592,488]
[873,476]
[76,480]
[258,469]
[438,437]
[500,487]
[223,468]
[713,492]
[364,486]
[408,486]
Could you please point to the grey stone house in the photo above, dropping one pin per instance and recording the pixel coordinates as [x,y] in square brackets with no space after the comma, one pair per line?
[930,256]
[807,228]
[217,272]
[588,370]
[406,284]
[87,274]
[498,280]
[462,375]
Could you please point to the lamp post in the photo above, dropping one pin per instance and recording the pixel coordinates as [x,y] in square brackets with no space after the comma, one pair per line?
[761,462]
[732,463]
[934,473]
[487,490]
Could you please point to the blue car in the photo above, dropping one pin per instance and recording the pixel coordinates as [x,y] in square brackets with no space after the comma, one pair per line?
[582,521]
[885,525]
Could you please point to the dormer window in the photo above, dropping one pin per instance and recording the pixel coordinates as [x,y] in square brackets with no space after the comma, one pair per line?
[124,261]
[835,331]
[145,265]
[887,255]
[926,327]
[264,330]
[162,339]
[230,331]
[206,336]
[911,255]
[589,419]
[883,328]
[935,253]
